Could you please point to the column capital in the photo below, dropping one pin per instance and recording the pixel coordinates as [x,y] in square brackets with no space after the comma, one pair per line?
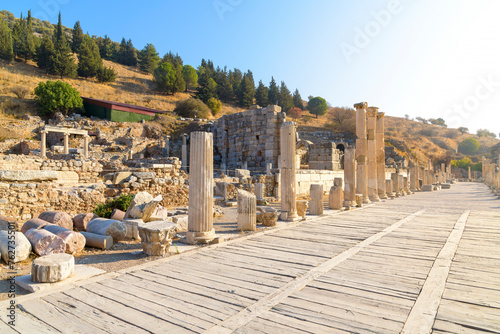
[372,109]
[380,114]
[361,105]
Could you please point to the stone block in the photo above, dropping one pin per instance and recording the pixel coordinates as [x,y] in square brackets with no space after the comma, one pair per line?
[247,208]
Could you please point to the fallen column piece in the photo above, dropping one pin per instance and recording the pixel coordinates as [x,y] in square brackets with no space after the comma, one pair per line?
[336,195]
[44,242]
[21,250]
[57,217]
[75,242]
[247,209]
[156,237]
[114,228]
[52,268]
[97,240]
[80,221]
[35,223]
[117,214]
[316,202]
[267,216]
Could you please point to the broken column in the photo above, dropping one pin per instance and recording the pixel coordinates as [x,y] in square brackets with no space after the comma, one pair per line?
[43,148]
[166,149]
[66,143]
[259,192]
[395,184]
[380,155]
[18,249]
[469,174]
[44,243]
[200,214]
[52,268]
[336,196]
[184,152]
[316,203]
[247,211]
[288,169]
[269,166]
[361,151]
[156,237]
[413,178]
[388,188]
[349,178]
[371,127]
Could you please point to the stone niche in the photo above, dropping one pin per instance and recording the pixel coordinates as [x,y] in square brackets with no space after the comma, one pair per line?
[252,136]
[325,156]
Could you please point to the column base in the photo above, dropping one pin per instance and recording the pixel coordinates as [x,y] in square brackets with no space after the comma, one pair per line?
[374,198]
[383,196]
[194,238]
[292,217]
[348,204]
[366,200]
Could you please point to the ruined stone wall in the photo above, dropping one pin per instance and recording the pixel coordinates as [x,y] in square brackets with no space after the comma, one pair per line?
[252,136]
[325,157]
[305,178]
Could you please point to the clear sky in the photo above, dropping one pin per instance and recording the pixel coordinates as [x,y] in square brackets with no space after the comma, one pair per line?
[427,58]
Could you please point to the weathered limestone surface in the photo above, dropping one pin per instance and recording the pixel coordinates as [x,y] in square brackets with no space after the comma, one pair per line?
[44,243]
[302,207]
[349,178]
[35,223]
[21,250]
[395,184]
[388,188]
[316,203]
[336,195]
[57,217]
[427,187]
[380,156]
[114,228]
[413,178]
[28,175]
[371,128]
[137,204]
[267,216]
[52,268]
[97,240]
[221,190]
[75,242]
[182,222]
[81,220]
[288,170]
[361,151]
[247,210]
[324,156]
[156,237]
[200,220]
[117,214]
[259,191]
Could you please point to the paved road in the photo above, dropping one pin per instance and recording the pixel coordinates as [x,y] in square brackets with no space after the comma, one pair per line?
[424,263]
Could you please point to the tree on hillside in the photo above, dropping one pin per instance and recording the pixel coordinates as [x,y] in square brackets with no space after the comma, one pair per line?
[180,84]
[295,113]
[485,133]
[468,146]
[22,38]
[207,87]
[148,58]
[297,100]
[175,60]
[235,76]
[190,76]
[421,119]
[463,130]
[165,77]
[107,48]
[55,96]
[77,38]
[62,62]
[126,53]
[440,122]
[261,95]
[45,52]
[285,100]
[273,93]
[89,59]
[246,92]
[317,106]
[6,49]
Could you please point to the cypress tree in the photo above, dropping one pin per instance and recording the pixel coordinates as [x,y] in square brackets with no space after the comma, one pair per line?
[246,93]
[45,52]
[22,38]
[207,87]
[89,59]
[62,62]
[180,84]
[126,53]
[274,92]
[148,58]
[6,49]
[261,95]
[285,98]
[297,100]
[77,37]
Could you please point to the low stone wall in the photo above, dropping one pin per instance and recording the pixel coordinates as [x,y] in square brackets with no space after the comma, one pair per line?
[306,177]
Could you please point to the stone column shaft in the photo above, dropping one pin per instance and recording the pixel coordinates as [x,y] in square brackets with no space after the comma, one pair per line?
[349,177]
[371,128]
[316,203]
[43,149]
[413,178]
[184,156]
[86,146]
[288,170]
[66,143]
[269,166]
[200,214]
[395,184]
[388,189]
[380,156]
[259,191]
[361,151]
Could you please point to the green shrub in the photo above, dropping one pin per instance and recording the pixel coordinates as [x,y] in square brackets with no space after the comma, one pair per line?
[106,74]
[56,96]
[187,108]
[104,210]
[468,146]
[20,91]
[214,105]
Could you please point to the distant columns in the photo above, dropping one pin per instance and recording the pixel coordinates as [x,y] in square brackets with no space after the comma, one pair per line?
[371,128]
[86,146]
[380,156]
[288,169]
[336,195]
[244,165]
[200,213]
[166,149]
[361,151]
[349,177]
[269,166]
[43,148]
[395,184]
[316,203]
[184,152]
[66,143]
[413,178]
[388,188]
[469,176]
[259,191]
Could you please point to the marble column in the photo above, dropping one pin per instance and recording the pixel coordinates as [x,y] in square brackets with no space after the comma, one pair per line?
[86,140]
[316,203]
[166,149]
[184,156]
[469,173]
[244,165]
[336,195]
[421,172]
[269,166]
[371,128]
[381,156]
[413,178]
[349,177]
[201,171]
[401,185]
[223,168]
[247,211]
[288,169]
[259,191]
[388,188]
[43,148]
[66,143]
[395,184]
[361,151]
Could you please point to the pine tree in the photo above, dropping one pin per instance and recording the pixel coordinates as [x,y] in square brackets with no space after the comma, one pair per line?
[224,87]
[175,60]
[126,53]
[317,106]
[106,47]
[285,98]
[89,59]
[62,62]
[235,78]
[22,38]
[261,95]
[246,92]
[6,49]
[45,53]
[297,100]
[274,92]
[207,87]
[180,84]
[148,58]
[190,76]
[77,38]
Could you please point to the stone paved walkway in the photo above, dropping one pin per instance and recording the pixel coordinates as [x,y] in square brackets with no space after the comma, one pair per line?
[424,263]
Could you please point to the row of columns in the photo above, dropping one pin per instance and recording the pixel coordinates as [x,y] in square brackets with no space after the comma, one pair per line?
[43,148]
